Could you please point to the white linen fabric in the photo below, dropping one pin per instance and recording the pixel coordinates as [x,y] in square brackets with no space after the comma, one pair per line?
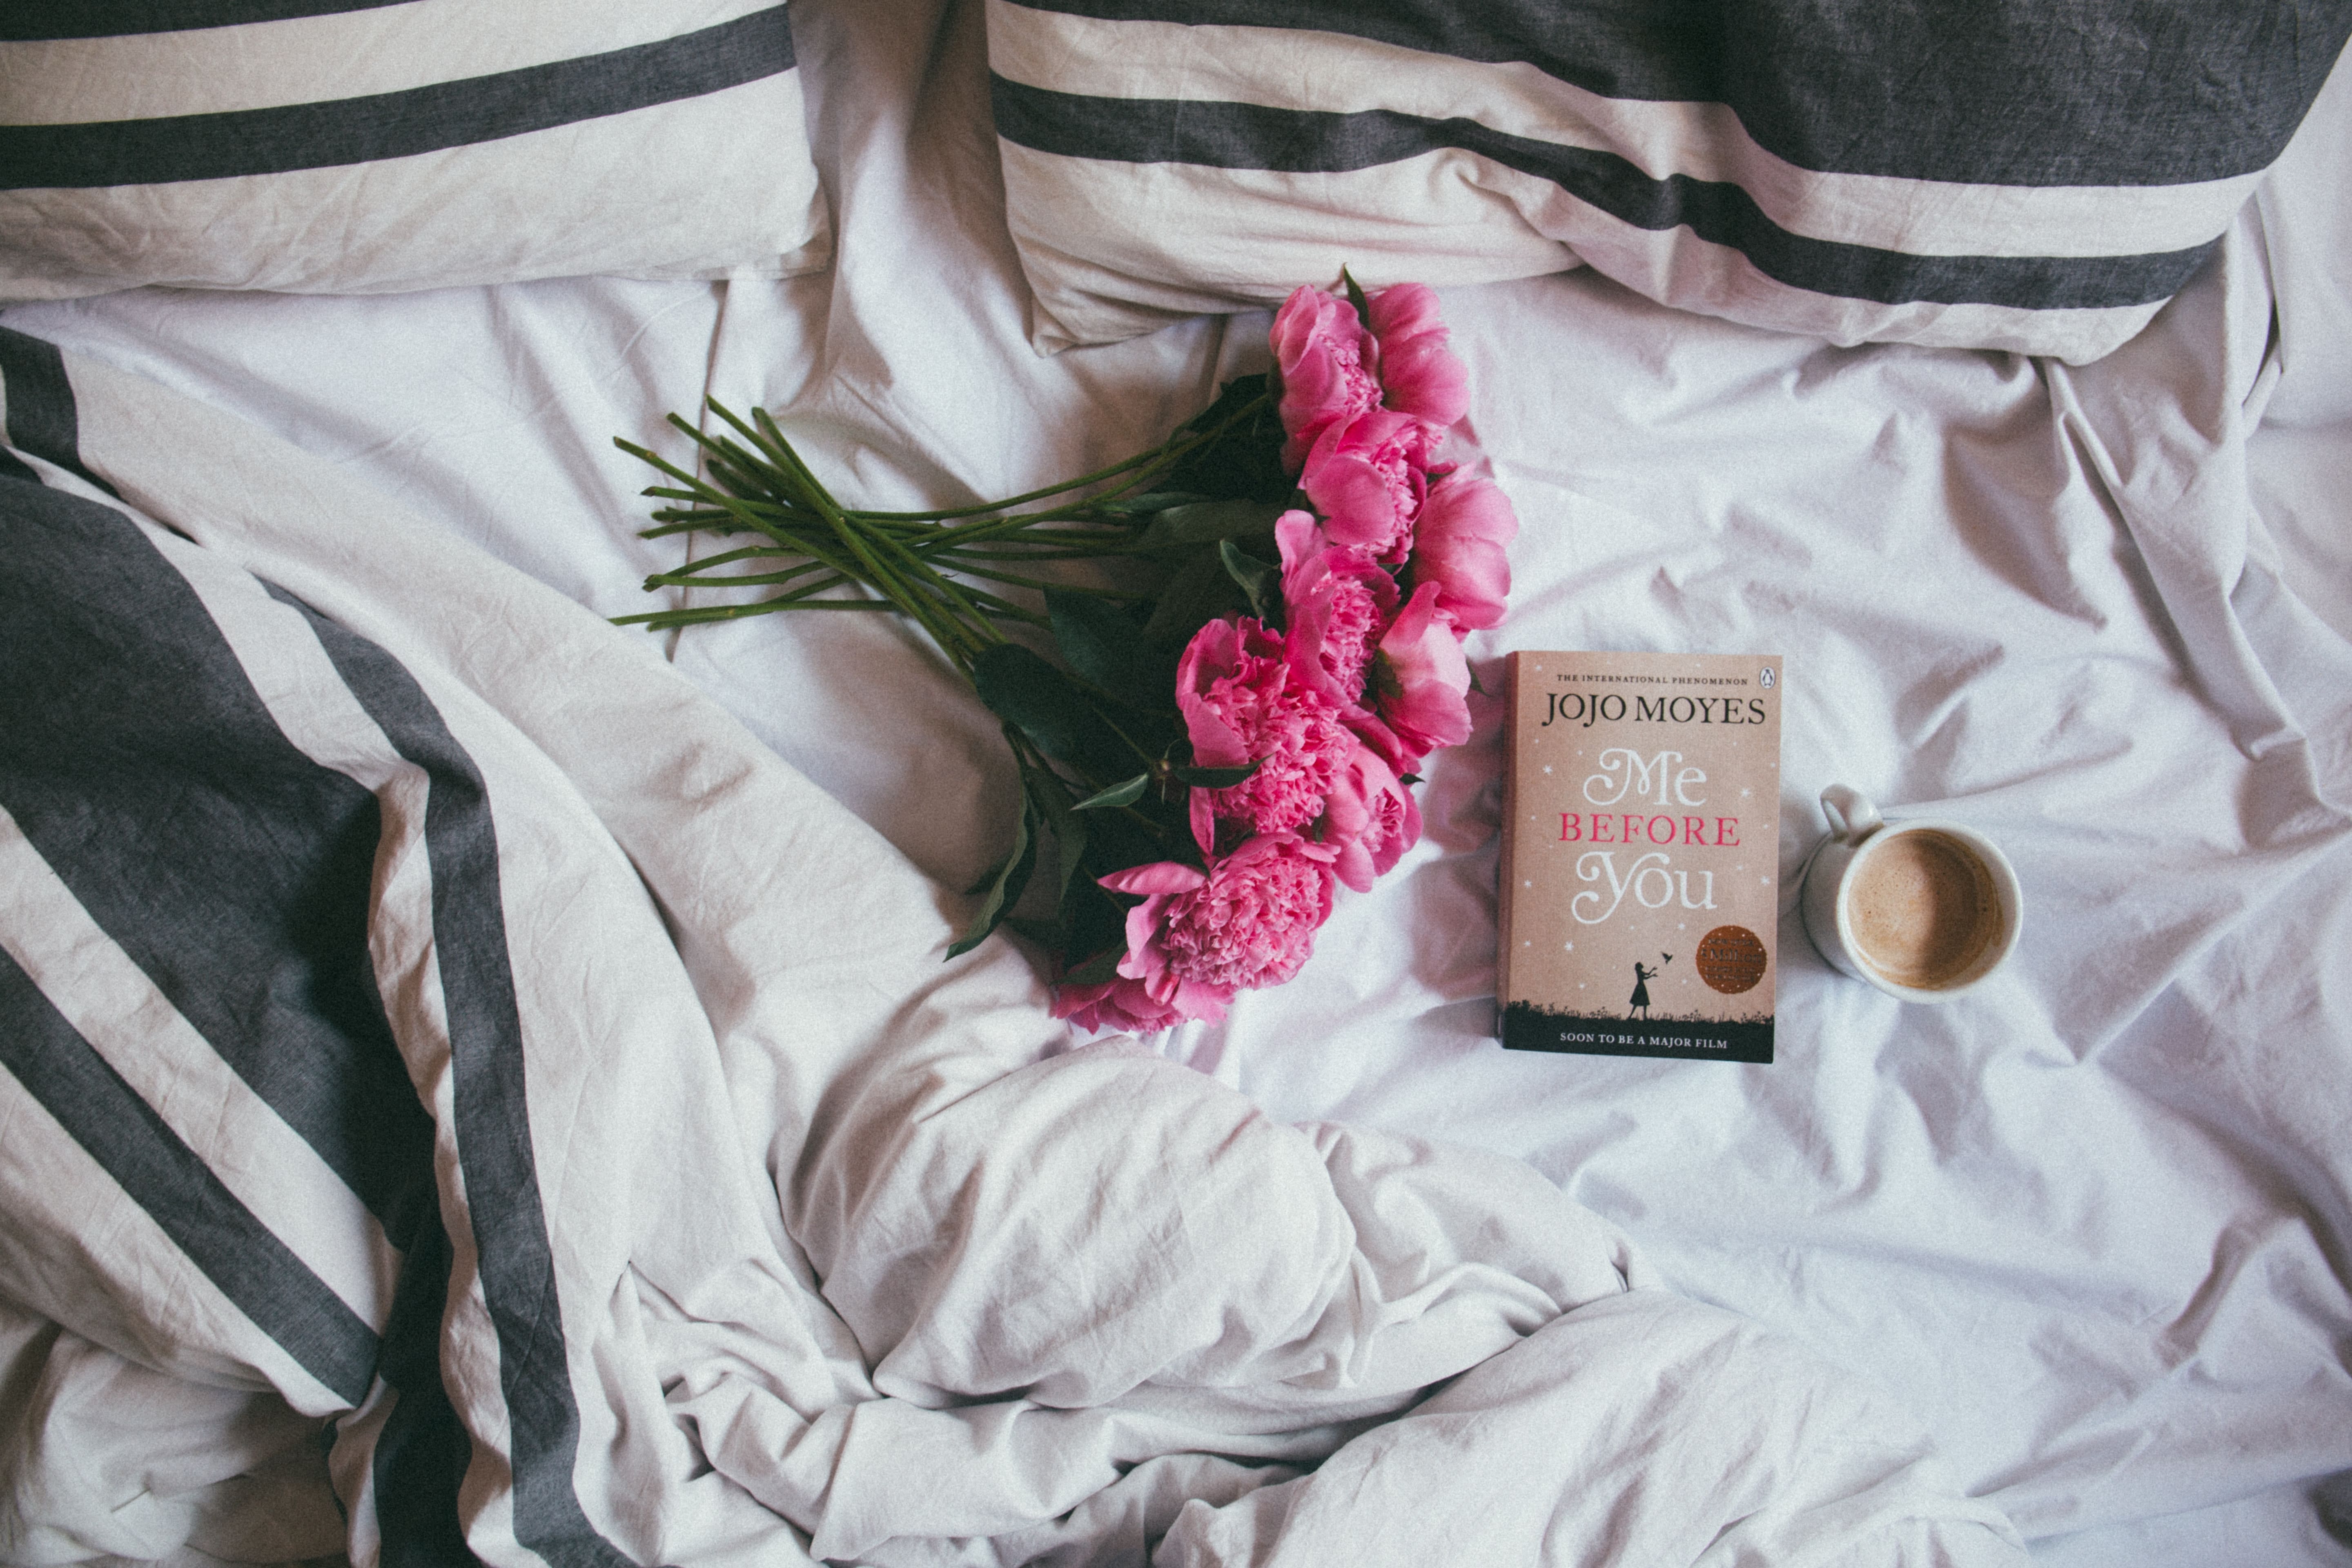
[1988,175]
[737,1196]
[2086,1223]
[325,147]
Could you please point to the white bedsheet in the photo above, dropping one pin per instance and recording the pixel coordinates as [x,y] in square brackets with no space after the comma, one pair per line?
[686,1050]
[2091,1224]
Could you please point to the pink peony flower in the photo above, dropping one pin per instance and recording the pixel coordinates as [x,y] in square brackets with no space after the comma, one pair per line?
[1419,374]
[1146,994]
[1253,921]
[1328,363]
[1459,548]
[1199,937]
[1419,683]
[1241,704]
[1121,1003]
[1335,601]
[1368,478]
[1372,820]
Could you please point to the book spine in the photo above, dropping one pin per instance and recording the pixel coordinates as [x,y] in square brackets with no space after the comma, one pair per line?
[1506,875]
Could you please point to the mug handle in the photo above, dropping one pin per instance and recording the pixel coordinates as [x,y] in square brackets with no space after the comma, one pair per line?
[1852,817]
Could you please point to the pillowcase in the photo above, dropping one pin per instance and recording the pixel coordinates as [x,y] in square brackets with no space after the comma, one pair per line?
[2013,174]
[367,146]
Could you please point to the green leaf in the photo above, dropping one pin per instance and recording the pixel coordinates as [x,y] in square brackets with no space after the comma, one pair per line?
[1150,829]
[1088,919]
[1199,591]
[1047,934]
[1232,398]
[1218,778]
[1004,887]
[1054,710]
[1260,580]
[1097,969]
[1245,459]
[1105,645]
[991,877]
[1356,298]
[1094,921]
[1126,793]
[1072,836]
[1208,522]
[1048,799]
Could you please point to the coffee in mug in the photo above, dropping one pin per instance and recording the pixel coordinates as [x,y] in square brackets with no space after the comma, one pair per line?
[1922,909]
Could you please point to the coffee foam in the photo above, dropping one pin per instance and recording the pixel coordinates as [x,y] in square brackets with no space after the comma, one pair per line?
[1923,909]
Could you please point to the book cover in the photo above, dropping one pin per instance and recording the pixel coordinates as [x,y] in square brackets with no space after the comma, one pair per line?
[1639,873]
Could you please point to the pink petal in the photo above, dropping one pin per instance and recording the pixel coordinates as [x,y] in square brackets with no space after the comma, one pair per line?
[1329,366]
[1160,877]
[1459,546]
[1424,691]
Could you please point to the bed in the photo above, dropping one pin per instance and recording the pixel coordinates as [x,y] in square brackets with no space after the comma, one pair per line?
[480,1081]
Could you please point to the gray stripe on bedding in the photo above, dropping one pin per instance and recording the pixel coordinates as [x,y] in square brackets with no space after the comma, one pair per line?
[2026,92]
[41,418]
[1253,136]
[177,147]
[122,1133]
[422,1450]
[492,1101]
[232,869]
[114,18]
[178,727]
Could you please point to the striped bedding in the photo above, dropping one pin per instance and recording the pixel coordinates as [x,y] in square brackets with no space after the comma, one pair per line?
[428,1023]
[253,945]
[2005,175]
[327,146]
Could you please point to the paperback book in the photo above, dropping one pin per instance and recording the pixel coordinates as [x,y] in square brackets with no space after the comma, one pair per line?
[1640,880]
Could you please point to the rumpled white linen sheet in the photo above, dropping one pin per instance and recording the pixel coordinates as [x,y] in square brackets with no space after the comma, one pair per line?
[2091,1223]
[897,1261]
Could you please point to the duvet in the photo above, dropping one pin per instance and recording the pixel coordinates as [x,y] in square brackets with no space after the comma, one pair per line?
[439,1032]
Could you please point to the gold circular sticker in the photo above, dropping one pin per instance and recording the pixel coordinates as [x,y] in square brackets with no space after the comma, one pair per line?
[1730,959]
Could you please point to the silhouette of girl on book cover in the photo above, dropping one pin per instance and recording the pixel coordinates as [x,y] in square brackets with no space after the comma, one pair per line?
[1641,1001]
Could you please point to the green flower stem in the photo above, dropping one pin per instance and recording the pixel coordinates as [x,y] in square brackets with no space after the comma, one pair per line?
[744,580]
[736,470]
[700,491]
[951,633]
[1161,456]
[1040,584]
[1047,549]
[1081,482]
[804,488]
[729,557]
[662,620]
[760,485]
[973,628]
[957,640]
[664,492]
[666,523]
[978,627]
[742,512]
[792,544]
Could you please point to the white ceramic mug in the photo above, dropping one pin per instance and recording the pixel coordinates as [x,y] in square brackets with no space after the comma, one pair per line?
[1924,909]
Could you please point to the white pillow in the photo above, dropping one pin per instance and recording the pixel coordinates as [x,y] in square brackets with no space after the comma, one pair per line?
[2002,174]
[344,146]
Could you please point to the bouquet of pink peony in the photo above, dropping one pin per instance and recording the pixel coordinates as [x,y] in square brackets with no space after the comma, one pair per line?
[1211,754]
